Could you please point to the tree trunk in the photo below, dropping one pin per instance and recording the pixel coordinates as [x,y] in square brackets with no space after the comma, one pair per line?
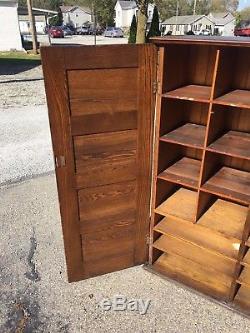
[141,28]
[141,21]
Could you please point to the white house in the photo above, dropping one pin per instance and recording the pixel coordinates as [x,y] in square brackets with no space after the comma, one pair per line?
[180,25]
[125,10]
[75,15]
[224,23]
[41,17]
[10,37]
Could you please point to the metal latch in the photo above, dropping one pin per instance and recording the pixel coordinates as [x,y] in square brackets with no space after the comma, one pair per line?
[155,87]
[60,161]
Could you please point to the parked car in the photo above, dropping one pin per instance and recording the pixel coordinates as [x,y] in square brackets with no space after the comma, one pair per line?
[56,32]
[97,31]
[243,32]
[83,30]
[67,31]
[205,32]
[113,32]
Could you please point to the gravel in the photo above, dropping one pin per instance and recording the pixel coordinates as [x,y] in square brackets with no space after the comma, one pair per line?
[22,87]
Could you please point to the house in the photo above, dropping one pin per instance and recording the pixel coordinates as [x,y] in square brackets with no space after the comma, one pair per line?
[180,25]
[125,10]
[224,23]
[10,37]
[75,15]
[41,17]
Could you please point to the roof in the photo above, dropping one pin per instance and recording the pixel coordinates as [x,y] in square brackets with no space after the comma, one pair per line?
[127,4]
[40,18]
[185,19]
[68,9]
[222,18]
[36,11]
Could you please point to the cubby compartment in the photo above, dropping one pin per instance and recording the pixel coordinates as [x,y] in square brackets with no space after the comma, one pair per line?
[233,77]
[222,216]
[188,72]
[180,203]
[229,131]
[227,177]
[183,122]
[242,297]
[246,259]
[179,164]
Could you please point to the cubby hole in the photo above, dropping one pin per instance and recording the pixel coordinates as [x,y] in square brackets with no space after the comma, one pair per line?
[179,164]
[176,201]
[233,77]
[188,71]
[229,131]
[183,122]
[227,177]
[222,216]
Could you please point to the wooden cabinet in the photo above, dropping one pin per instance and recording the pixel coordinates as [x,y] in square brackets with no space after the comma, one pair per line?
[152,149]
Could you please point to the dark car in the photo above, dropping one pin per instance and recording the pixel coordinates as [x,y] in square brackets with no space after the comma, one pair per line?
[83,30]
[97,31]
[56,32]
[67,31]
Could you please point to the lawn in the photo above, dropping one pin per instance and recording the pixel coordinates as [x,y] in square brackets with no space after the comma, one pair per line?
[19,56]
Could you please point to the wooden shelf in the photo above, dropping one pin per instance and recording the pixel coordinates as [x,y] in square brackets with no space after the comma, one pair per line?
[193,252]
[199,235]
[194,275]
[242,297]
[190,135]
[191,93]
[233,143]
[237,98]
[246,259]
[185,172]
[181,204]
[225,217]
[230,183]
[244,277]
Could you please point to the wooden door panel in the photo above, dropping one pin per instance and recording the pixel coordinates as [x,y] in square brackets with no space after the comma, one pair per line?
[83,84]
[103,106]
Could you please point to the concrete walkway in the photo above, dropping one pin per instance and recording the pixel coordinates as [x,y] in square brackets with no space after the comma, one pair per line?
[35,295]
[25,149]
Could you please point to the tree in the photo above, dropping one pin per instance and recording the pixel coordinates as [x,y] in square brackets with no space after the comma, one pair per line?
[141,21]
[244,14]
[132,31]
[154,27]
[224,5]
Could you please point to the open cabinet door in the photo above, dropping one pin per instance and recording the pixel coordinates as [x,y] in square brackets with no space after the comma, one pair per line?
[101,107]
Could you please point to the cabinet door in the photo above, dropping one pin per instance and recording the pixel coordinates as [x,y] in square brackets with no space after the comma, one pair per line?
[101,110]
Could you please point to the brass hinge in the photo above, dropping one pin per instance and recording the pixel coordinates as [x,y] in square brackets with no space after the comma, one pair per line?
[148,239]
[155,87]
[60,161]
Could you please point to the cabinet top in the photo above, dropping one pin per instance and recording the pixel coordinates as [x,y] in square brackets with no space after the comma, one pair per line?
[202,40]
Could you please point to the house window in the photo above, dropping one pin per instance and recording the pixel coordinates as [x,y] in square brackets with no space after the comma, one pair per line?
[177,27]
[171,27]
[208,27]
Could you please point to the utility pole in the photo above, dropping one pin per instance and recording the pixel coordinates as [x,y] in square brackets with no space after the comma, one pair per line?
[32,26]
[176,15]
[194,10]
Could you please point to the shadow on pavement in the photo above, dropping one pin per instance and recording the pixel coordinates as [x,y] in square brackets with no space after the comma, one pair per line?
[10,66]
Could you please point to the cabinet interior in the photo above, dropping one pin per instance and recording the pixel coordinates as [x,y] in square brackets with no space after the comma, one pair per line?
[200,224]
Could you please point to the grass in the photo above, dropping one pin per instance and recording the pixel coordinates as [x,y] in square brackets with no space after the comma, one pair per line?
[19,56]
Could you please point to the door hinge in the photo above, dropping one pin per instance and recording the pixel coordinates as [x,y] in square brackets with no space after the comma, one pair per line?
[60,161]
[155,87]
[148,239]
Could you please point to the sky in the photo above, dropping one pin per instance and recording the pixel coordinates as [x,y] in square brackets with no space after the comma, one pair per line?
[244,3]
